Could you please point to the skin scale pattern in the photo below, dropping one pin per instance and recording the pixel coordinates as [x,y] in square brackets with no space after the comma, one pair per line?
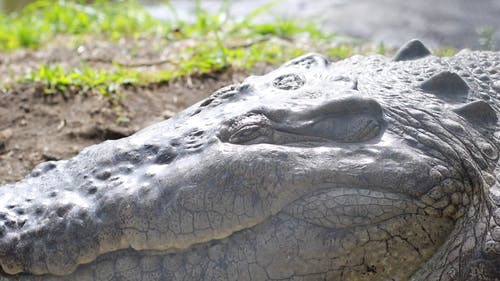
[371,168]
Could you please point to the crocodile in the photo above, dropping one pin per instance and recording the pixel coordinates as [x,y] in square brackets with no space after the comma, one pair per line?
[369,168]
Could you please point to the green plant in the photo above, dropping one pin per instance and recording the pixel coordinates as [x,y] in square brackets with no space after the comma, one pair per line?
[341,51]
[486,38]
[42,20]
[221,41]
[445,52]
[381,49]
[57,79]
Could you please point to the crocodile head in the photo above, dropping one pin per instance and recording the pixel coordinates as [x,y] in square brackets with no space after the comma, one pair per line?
[365,169]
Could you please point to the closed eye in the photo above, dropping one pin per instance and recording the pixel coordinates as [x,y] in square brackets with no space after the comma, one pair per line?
[247,128]
[248,133]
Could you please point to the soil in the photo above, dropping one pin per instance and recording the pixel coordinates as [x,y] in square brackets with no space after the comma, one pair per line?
[36,127]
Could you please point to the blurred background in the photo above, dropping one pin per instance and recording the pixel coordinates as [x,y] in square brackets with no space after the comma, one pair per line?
[445,23]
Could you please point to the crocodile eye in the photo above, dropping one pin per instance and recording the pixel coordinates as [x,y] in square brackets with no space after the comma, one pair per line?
[246,134]
[249,128]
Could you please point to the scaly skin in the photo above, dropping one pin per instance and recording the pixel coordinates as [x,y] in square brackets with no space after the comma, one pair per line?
[366,169]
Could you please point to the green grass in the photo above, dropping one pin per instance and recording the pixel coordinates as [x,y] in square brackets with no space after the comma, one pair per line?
[204,59]
[59,80]
[445,52]
[487,38]
[43,20]
[222,41]
[341,51]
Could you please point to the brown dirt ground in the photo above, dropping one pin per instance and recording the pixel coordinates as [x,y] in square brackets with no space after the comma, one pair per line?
[36,127]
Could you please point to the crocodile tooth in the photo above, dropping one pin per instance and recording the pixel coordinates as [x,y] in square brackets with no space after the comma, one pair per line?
[446,84]
[478,112]
[412,50]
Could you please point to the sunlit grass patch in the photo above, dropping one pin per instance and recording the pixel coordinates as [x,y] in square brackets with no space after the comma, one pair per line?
[200,60]
[42,20]
[445,52]
[57,79]
[341,51]
[211,43]
[221,41]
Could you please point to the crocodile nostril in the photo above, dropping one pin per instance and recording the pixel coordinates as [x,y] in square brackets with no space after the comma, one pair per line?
[63,210]
[165,156]
[288,82]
